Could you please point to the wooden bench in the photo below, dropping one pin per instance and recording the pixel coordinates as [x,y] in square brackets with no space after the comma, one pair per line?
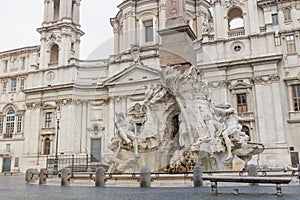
[246,179]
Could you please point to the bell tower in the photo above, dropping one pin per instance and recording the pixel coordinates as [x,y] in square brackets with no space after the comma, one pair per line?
[60,33]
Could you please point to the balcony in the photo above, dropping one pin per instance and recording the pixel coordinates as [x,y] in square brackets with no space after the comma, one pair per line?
[5,152]
[48,131]
[6,136]
[247,116]
[53,64]
[236,32]
[11,137]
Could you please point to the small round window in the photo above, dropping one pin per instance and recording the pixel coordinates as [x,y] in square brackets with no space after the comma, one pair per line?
[237,48]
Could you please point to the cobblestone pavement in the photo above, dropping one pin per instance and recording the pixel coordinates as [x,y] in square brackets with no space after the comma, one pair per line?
[14,187]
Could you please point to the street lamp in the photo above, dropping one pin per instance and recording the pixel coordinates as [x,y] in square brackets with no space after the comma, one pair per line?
[58,115]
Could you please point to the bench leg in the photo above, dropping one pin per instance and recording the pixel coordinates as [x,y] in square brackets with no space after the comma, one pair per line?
[278,189]
[214,187]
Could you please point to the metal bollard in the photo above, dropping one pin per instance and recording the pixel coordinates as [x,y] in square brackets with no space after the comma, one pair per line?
[252,171]
[30,175]
[65,177]
[100,179]
[43,176]
[197,176]
[145,177]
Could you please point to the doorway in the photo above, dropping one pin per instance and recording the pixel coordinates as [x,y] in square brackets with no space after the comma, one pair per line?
[95,150]
[6,164]
[295,158]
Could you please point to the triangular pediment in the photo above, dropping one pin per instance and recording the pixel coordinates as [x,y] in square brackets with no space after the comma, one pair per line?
[134,74]
[240,85]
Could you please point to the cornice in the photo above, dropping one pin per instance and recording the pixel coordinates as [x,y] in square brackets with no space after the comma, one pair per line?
[59,26]
[58,87]
[245,61]
[23,50]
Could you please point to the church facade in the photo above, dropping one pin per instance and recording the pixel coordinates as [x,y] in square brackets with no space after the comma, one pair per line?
[247,51]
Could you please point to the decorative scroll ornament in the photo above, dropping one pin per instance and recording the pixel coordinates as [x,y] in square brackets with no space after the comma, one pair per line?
[229,3]
[135,53]
[267,79]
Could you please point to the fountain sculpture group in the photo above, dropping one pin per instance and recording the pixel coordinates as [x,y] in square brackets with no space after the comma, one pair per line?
[181,127]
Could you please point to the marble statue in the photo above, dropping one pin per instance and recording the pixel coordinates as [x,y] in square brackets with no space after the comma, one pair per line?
[182,127]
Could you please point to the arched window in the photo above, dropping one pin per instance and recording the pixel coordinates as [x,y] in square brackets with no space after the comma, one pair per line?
[56,9]
[54,53]
[47,146]
[10,121]
[287,14]
[246,130]
[235,19]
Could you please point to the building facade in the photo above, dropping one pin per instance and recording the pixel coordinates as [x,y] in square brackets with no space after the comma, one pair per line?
[248,53]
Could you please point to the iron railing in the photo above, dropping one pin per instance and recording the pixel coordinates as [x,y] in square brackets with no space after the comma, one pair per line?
[75,163]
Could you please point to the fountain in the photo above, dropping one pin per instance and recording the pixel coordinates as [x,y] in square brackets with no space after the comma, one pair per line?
[182,127]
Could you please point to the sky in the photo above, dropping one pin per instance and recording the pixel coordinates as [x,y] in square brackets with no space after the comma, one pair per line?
[19,20]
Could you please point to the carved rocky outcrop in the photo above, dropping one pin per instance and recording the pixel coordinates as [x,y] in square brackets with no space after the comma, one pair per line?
[181,127]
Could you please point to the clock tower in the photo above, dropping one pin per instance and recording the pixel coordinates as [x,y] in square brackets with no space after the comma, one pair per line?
[60,33]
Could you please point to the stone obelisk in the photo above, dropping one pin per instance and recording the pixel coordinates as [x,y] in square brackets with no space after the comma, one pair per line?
[177,37]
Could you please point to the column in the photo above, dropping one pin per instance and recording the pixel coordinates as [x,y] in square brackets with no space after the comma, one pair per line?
[76,12]
[46,11]
[218,20]
[116,40]
[50,11]
[131,29]
[141,28]
[253,22]
[294,16]
[69,8]
[155,28]
[61,57]
[280,18]
[43,53]
[62,10]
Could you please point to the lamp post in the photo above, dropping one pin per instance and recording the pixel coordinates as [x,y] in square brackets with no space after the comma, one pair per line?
[58,115]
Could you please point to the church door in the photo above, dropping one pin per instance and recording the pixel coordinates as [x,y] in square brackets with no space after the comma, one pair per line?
[6,164]
[95,150]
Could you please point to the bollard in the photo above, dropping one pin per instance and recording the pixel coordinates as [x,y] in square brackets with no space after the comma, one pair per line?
[65,177]
[145,177]
[100,178]
[299,173]
[197,176]
[30,175]
[43,176]
[252,171]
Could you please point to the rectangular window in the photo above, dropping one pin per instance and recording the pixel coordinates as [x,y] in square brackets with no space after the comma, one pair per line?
[22,84]
[275,19]
[287,14]
[23,61]
[277,41]
[4,86]
[5,65]
[13,84]
[1,124]
[48,120]
[16,162]
[241,103]
[290,43]
[296,97]
[148,32]
[19,123]
[15,63]
[138,127]
[10,126]
[7,147]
